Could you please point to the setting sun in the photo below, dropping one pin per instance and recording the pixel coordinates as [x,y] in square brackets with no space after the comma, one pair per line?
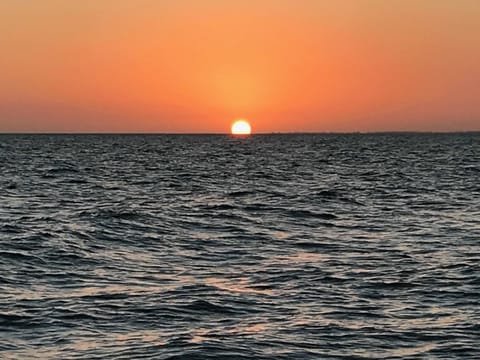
[241,127]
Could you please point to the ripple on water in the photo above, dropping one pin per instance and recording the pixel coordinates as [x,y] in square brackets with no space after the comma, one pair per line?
[268,247]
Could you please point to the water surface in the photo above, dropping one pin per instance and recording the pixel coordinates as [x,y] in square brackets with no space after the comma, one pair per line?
[266,247]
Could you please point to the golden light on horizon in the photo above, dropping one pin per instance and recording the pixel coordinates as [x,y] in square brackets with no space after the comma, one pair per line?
[241,127]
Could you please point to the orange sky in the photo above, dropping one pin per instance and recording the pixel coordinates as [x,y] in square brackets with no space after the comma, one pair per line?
[196,65]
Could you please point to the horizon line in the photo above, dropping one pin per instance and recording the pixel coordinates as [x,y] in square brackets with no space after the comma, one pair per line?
[253,134]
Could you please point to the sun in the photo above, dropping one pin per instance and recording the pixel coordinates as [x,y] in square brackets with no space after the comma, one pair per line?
[241,127]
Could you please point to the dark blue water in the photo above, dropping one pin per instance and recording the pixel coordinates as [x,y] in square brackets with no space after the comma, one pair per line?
[266,247]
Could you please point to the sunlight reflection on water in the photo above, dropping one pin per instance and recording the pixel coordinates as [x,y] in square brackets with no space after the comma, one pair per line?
[268,247]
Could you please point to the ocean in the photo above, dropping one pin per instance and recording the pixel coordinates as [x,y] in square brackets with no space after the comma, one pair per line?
[298,246]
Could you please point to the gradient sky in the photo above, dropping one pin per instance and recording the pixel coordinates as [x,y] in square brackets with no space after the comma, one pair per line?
[196,65]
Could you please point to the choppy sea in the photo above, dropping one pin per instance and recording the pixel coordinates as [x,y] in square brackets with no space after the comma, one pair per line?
[355,246]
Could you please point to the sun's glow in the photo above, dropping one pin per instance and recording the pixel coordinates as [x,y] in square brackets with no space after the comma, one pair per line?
[241,127]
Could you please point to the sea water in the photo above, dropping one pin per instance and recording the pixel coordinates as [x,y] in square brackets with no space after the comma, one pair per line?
[352,246]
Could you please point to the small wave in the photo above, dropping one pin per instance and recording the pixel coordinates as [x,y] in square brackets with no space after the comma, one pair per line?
[204,306]
[311,214]
[77,181]
[8,255]
[14,320]
[11,186]
[259,207]
[472,168]
[219,207]
[393,285]
[62,169]
[70,315]
[11,229]
[329,194]
[121,214]
[240,193]
[106,296]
